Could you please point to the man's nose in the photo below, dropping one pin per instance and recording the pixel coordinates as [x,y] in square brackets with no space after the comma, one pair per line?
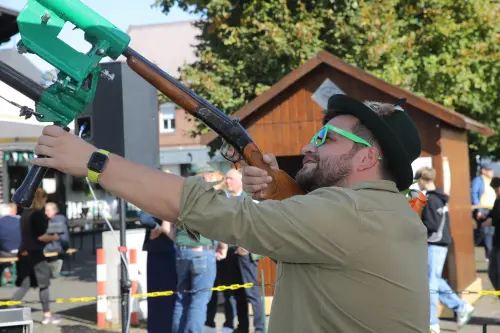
[310,148]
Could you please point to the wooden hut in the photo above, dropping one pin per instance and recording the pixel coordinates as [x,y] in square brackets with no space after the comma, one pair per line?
[287,115]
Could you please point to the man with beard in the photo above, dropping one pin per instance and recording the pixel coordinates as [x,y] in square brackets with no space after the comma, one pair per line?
[352,253]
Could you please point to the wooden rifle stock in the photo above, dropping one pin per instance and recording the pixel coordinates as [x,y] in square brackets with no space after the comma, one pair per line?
[282,187]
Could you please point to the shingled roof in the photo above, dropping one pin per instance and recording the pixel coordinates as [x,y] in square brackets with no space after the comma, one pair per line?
[436,110]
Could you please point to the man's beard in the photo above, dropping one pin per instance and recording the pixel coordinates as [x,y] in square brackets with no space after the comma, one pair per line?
[332,171]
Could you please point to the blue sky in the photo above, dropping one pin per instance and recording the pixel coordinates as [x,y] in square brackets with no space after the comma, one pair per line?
[122,13]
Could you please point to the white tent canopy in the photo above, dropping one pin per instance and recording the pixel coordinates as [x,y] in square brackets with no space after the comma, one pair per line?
[18,131]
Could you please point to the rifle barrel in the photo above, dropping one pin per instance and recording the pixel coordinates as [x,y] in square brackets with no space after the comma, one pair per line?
[229,129]
[282,186]
[20,82]
[189,104]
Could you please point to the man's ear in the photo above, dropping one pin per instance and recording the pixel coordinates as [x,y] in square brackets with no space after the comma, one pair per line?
[367,158]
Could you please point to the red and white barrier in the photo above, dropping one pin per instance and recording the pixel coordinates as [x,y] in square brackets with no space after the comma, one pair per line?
[134,278]
[102,303]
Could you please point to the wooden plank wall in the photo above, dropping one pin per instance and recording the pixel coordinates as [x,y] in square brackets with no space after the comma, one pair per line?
[269,268]
[289,122]
[461,264]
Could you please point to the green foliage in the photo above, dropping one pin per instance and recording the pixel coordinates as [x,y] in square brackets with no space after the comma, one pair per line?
[445,50]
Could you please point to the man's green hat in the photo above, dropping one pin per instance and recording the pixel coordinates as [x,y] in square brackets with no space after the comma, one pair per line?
[201,168]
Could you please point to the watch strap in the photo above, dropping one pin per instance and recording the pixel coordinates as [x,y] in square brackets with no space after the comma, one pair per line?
[93,175]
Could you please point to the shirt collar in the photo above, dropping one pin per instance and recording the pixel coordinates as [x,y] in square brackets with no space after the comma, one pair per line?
[229,194]
[381,185]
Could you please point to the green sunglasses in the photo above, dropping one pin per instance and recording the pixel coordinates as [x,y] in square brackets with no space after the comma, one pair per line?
[320,137]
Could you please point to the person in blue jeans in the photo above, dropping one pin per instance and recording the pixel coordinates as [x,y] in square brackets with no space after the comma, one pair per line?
[196,270]
[437,221]
[482,194]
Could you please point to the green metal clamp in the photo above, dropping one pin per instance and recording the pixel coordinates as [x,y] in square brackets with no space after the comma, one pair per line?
[40,23]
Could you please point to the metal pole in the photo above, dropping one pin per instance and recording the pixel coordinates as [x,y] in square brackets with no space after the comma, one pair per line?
[125,282]
[262,284]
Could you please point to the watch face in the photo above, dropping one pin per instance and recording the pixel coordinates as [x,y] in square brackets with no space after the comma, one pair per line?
[97,162]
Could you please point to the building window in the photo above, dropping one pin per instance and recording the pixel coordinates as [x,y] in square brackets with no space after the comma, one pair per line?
[167,118]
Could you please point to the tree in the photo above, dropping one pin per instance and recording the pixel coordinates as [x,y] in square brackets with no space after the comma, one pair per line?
[445,50]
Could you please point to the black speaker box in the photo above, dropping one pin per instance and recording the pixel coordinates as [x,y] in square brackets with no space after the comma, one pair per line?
[123,117]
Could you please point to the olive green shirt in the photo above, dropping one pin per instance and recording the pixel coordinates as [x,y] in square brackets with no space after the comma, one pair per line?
[352,259]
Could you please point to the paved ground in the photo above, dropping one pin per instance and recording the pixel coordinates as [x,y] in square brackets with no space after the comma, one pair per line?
[80,282]
[80,317]
[487,307]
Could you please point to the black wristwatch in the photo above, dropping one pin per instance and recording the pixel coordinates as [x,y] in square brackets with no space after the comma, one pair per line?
[96,164]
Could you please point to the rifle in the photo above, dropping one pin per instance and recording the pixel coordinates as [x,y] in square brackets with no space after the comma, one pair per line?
[73,91]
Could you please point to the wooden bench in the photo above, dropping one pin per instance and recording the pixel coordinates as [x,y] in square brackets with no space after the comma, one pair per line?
[12,262]
[55,254]
[8,260]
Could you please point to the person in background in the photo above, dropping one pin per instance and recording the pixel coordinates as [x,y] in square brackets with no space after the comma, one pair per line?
[32,267]
[246,270]
[484,196]
[61,245]
[161,272]
[437,221]
[10,235]
[196,270]
[239,267]
[224,273]
[10,232]
[493,219]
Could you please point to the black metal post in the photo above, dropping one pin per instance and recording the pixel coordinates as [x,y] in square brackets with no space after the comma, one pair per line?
[125,282]
[94,222]
[20,82]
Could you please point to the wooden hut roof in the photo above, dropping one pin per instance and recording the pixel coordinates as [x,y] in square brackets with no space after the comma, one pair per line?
[436,110]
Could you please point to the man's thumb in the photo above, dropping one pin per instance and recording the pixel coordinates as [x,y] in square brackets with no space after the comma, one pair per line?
[271,160]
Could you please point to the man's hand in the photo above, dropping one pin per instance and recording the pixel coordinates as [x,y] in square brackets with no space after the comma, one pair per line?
[241,251]
[65,152]
[221,252]
[487,223]
[220,255]
[155,233]
[47,238]
[255,179]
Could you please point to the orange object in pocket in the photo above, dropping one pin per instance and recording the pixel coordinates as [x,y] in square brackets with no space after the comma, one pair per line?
[417,201]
